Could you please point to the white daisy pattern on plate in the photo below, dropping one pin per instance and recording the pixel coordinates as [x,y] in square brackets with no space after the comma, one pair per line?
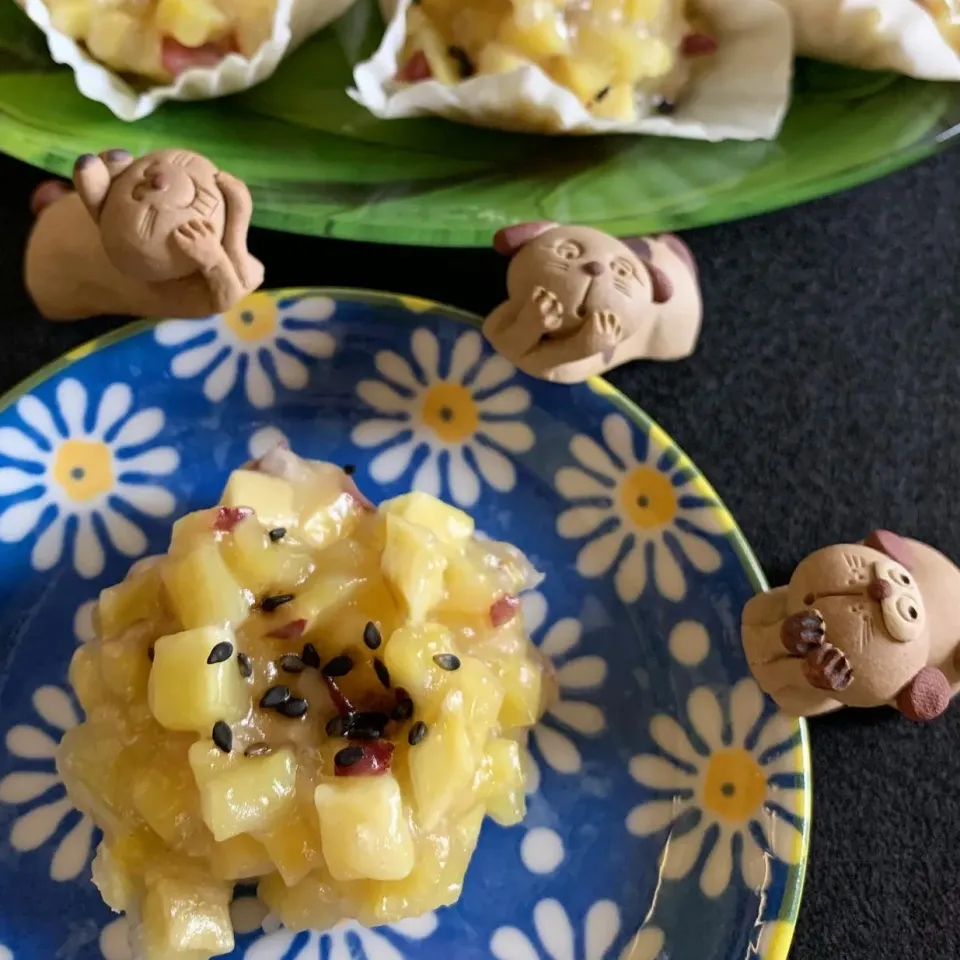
[71,471]
[556,936]
[470,416]
[569,716]
[37,787]
[542,851]
[5,954]
[647,944]
[733,788]
[83,629]
[634,510]
[115,940]
[264,340]
[264,440]
[343,941]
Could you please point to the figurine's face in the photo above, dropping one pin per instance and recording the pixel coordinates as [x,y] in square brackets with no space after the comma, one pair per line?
[874,613]
[587,271]
[146,203]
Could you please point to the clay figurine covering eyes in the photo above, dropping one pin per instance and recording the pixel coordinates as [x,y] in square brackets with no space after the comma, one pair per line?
[582,302]
[163,235]
[860,625]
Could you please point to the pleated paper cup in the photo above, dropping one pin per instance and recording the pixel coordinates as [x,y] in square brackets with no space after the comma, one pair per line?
[897,35]
[742,95]
[293,22]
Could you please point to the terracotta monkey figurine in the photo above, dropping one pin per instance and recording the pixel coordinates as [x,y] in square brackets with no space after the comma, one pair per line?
[860,625]
[164,235]
[582,302]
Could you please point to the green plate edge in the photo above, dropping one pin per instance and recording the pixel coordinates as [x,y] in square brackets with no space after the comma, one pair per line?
[320,164]
[779,947]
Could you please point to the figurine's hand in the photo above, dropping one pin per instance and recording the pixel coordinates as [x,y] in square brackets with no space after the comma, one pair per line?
[236,194]
[600,334]
[199,241]
[802,632]
[549,307]
[607,329]
[827,668]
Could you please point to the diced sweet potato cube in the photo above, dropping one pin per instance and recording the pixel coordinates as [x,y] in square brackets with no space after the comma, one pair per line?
[188,693]
[413,564]
[363,829]
[203,591]
[251,796]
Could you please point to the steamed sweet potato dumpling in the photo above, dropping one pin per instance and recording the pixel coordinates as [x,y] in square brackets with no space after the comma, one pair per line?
[307,691]
[158,39]
[611,53]
[946,13]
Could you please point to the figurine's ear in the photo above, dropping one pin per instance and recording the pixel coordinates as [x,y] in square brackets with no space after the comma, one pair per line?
[92,180]
[894,546]
[680,249]
[116,161]
[662,284]
[511,239]
[640,247]
[926,696]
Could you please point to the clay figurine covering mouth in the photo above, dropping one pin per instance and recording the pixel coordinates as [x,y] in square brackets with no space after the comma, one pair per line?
[581,310]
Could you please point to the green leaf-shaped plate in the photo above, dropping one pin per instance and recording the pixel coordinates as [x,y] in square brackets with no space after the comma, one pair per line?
[320,164]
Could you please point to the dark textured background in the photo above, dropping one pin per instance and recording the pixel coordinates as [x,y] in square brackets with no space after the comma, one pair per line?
[824,401]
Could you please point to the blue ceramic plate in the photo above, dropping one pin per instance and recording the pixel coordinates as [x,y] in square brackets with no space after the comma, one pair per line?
[670,811]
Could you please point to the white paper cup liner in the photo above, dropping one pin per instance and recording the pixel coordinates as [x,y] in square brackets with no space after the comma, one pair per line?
[743,95]
[876,34]
[293,22]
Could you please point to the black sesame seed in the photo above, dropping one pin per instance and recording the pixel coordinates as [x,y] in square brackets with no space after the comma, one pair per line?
[310,656]
[464,64]
[295,707]
[348,756]
[222,651]
[383,674]
[372,636]
[291,663]
[244,665]
[363,733]
[365,726]
[274,697]
[338,666]
[151,653]
[337,726]
[447,661]
[403,710]
[269,604]
[602,95]
[277,533]
[259,749]
[223,736]
[417,733]
[665,107]
[349,469]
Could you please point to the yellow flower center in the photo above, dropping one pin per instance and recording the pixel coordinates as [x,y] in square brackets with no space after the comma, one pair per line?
[450,411]
[84,468]
[648,497]
[254,318]
[734,786]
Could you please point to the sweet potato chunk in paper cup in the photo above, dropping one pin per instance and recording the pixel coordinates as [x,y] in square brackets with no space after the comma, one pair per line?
[898,35]
[292,22]
[741,95]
